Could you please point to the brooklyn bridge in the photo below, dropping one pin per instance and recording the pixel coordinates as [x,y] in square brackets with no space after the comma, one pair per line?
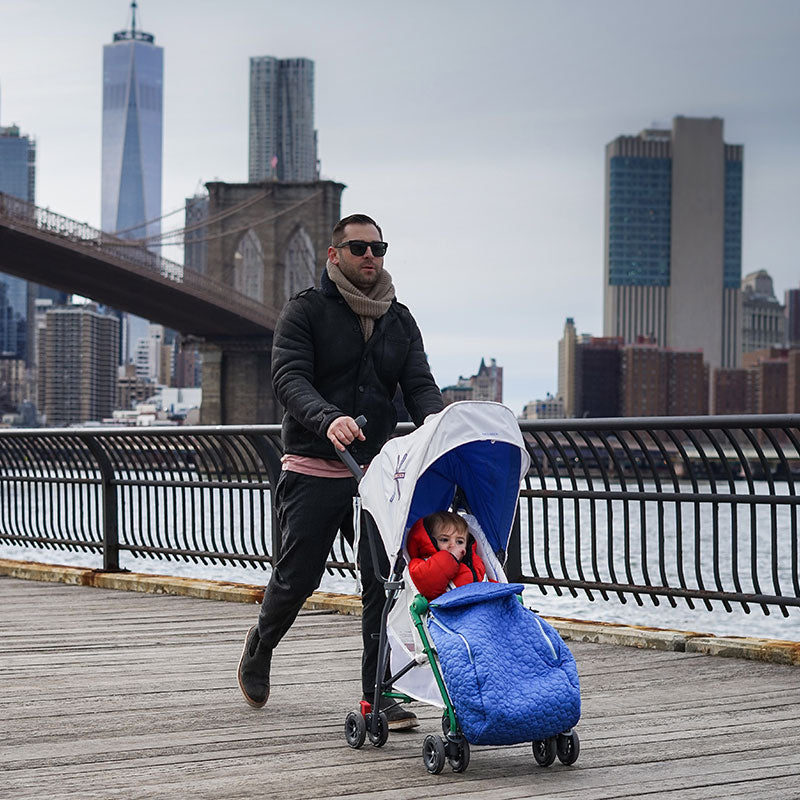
[264,242]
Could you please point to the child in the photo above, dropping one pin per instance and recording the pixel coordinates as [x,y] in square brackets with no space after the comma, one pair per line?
[442,552]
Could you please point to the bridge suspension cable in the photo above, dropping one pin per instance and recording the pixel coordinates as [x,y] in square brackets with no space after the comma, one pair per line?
[158,241]
[221,215]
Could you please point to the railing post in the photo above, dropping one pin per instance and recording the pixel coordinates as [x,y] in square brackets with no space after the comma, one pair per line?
[109,501]
[513,565]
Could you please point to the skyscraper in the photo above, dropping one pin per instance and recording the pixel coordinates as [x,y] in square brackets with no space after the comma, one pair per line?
[673,239]
[763,317]
[283,142]
[133,82]
[17,178]
[77,365]
[133,87]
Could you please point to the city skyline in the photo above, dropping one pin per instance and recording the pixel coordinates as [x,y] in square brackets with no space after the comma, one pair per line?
[478,144]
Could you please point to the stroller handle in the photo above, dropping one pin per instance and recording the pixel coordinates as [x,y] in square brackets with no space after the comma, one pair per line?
[347,457]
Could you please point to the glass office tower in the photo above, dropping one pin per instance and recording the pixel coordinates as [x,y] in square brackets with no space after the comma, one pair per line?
[674,239]
[133,82]
[17,178]
[133,88]
[283,142]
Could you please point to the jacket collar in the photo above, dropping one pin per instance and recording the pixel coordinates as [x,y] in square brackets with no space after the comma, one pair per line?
[327,286]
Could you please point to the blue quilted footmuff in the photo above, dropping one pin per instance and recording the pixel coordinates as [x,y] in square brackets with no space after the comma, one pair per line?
[509,674]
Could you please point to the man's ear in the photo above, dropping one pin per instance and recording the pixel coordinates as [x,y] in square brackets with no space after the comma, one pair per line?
[333,255]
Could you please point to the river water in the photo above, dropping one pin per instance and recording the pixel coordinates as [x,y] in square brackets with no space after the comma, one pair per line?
[643,529]
[716,621]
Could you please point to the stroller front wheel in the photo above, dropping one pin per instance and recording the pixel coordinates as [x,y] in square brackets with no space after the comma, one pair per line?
[544,751]
[355,729]
[568,747]
[433,755]
[381,736]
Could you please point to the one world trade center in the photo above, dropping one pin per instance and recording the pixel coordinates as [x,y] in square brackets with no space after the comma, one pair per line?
[133,85]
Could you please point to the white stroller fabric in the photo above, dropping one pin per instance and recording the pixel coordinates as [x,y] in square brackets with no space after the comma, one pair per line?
[388,489]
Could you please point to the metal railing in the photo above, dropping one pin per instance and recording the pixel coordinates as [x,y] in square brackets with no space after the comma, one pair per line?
[699,510]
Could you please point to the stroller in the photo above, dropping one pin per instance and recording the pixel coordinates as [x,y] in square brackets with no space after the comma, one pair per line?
[500,673]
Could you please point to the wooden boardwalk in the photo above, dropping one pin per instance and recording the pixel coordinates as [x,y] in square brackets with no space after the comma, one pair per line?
[109,694]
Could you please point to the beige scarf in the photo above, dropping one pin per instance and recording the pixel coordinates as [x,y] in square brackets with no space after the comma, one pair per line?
[366,306]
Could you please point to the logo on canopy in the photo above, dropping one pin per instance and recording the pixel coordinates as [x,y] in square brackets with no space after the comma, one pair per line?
[399,474]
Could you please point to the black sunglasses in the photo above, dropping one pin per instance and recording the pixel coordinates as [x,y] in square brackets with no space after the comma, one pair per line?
[358,248]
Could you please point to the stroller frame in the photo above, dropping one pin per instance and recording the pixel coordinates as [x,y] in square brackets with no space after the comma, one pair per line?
[365,722]
[370,721]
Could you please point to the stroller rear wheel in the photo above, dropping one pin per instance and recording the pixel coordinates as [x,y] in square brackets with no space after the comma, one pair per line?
[544,751]
[379,738]
[433,755]
[355,729]
[568,747]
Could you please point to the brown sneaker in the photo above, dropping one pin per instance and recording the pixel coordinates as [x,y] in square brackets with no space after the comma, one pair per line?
[399,716]
[253,672]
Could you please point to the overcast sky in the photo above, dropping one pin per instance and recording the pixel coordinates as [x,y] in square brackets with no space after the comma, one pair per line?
[474,132]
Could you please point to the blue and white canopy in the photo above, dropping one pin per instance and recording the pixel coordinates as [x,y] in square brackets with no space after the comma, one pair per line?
[471,445]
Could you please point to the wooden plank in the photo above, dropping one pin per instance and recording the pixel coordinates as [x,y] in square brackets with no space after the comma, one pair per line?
[108,693]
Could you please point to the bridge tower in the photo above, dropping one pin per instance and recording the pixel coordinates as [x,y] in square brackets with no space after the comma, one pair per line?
[268,241]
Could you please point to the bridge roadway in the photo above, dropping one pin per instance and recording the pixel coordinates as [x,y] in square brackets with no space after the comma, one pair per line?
[48,248]
[106,693]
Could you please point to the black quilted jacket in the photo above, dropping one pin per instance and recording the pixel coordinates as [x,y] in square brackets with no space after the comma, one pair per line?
[322,368]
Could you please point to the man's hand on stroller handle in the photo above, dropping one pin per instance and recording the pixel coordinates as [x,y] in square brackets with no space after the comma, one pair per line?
[344,431]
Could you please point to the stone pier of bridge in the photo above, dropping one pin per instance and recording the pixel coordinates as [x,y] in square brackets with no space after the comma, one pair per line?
[268,241]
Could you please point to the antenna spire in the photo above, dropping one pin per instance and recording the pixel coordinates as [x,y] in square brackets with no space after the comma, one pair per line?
[133,17]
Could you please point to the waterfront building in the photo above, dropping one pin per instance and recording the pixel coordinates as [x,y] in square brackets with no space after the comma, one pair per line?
[77,365]
[131,388]
[566,367]
[17,296]
[792,310]
[282,139]
[644,380]
[598,376]
[773,386]
[735,390]
[486,384]
[549,408]
[15,383]
[793,381]
[673,227]
[763,317]
[687,383]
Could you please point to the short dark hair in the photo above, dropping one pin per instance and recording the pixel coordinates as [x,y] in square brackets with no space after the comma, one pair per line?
[357,219]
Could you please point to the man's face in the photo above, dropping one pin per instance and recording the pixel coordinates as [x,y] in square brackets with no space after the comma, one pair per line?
[450,538]
[361,271]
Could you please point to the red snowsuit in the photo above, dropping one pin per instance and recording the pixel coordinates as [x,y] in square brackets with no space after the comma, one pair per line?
[432,570]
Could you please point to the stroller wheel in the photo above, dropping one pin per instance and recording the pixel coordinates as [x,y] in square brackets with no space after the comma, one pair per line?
[568,747]
[460,761]
[355,729]
[433,755]
[378,739]
[544,751]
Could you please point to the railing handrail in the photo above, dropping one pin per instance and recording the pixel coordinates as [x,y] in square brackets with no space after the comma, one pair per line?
[699,509]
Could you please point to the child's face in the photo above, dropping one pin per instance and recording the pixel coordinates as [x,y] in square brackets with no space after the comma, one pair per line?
[450,538]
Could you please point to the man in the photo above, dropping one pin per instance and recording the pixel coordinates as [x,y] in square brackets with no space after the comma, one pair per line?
[339,351]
